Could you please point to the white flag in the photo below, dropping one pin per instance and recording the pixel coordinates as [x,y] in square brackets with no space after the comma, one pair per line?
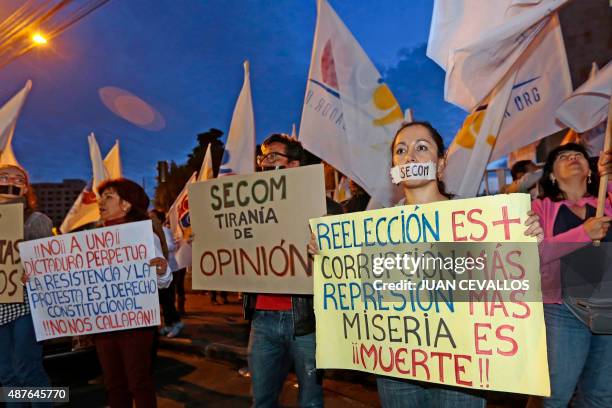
[8,120]
[178,214]
[85,209]
[482,47]
[349,116]
[465,166]
[112,162]
[587,107]
[207,172]
[342,191]
[239,155]
[542,83]
[100,173]
[180,222]
[478,42]
[7,156]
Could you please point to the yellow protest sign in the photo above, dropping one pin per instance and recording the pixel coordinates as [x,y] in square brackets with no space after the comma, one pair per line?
[251,232]
[447,293]
[11,233]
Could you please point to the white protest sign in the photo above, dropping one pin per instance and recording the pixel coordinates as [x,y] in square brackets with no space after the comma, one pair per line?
[92,281]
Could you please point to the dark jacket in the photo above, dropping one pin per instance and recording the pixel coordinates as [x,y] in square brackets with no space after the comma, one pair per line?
[301,305]
[357,202]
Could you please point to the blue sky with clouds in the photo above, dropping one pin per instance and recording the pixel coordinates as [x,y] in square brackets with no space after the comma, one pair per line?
[184,58]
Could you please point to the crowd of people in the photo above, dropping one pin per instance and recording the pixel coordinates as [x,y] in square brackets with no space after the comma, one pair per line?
[283,326]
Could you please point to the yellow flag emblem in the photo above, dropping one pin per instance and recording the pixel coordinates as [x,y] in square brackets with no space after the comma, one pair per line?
[384,100]
[466,137]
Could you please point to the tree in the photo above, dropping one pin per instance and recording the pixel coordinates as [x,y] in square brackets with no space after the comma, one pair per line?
[178,174]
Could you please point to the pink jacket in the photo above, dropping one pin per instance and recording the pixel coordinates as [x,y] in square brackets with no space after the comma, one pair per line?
[554,247]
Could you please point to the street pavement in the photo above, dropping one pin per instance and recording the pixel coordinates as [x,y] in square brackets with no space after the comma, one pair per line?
[200,368]
[187,380]
[218,332]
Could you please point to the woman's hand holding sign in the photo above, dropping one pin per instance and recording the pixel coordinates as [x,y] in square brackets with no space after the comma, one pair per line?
[534,229]
[160,265]
[313,249]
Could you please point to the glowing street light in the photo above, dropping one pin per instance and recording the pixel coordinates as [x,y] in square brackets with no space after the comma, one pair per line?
[39,39]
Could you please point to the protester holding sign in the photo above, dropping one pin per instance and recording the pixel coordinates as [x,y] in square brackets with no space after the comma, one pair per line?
[20,354]
[418,147]
[172,320]
[125,356]
[282,326]
[578,359]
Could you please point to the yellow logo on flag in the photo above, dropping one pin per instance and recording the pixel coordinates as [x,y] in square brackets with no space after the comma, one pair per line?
[384,100]
[466,137]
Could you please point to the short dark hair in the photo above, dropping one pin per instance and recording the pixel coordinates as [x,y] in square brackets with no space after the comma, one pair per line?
[552,190]
[438,140]
[519,167]
[293,148]
[131,192]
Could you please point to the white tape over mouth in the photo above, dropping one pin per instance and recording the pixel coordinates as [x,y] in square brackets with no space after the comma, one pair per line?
[413,171]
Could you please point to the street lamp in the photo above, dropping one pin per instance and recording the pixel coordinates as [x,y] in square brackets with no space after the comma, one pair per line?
[39,39]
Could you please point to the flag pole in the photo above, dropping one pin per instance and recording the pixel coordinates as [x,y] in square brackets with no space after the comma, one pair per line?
[336,179]
[408,117]
[603,181]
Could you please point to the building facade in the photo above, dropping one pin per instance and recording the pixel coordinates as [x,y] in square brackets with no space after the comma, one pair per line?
[56,199]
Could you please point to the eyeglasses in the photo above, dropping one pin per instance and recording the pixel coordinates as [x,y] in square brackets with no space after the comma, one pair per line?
[15,179]
[270,158]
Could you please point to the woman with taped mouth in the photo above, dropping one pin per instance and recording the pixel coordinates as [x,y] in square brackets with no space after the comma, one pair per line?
[125,356]
[20,354]
[419,142]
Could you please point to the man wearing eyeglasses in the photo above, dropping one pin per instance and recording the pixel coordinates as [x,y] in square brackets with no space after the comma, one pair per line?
[283,326]
[280,151]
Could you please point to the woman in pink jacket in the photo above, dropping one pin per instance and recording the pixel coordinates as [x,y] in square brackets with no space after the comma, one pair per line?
[580,362]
